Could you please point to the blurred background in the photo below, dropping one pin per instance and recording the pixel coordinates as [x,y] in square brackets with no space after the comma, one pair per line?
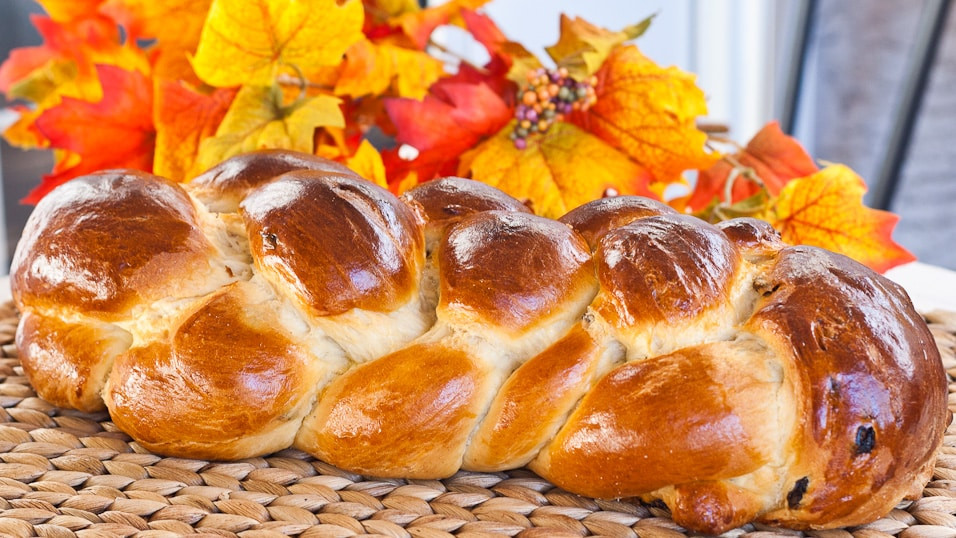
[866,83]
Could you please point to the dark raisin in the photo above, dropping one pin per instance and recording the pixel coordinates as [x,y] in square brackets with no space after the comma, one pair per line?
[796,494]
[269,240]
[865,439]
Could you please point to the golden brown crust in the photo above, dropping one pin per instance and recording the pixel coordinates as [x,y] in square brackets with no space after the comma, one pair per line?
[782,384]
[223,186]
[407,414]
[445,201]
[709,505]
[67,363]
[667,268]
[335,242]
[875,388]
[595,219]
[753,236]
[107,242]
[668,420]
[228,382]
[511,270]
[550,384]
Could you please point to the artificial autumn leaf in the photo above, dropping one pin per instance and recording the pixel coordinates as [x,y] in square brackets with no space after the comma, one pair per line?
[508,58]
[382,10]
[257,119]
[183,118]
[649,112]
[116,132]
[176,24]
[371,69]
[65,64]
[583,47]
[774,157]
[68,10]
[23,133]
[246,42]
[558,171]
[419,25]
[442,128]
[367,162]
[826,210]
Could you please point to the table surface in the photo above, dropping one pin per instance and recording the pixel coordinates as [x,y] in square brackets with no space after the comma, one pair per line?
[930,287]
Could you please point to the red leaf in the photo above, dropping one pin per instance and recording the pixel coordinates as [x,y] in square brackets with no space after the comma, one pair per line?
[183,119]
[442,127]
[775,157]
[116,132]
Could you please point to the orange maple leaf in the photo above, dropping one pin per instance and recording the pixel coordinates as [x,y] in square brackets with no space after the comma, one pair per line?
[774,157]
[448,122]
[826,210]
[175,25]
[649,112]
[116,132]
[558,170]
[373,69]
[64,65]
[68,10]
[419,25]
[183,119]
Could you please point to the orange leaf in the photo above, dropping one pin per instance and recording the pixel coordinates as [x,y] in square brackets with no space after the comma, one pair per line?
[176,24]
[116,132]
[583,47]
[23,133]
[443,126]
[371,69]
[558,171]
[775,157]
[68,10]
[64,63]
[183,119]
[246,42]
[649,112]
[826,210]
[419,25]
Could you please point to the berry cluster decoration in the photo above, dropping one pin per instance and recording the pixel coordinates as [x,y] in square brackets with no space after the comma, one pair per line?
[550,95]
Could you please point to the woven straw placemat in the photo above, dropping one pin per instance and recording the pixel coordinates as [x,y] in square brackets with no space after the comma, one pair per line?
[65,473]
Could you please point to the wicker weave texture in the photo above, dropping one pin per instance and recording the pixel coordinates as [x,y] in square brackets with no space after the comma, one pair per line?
[65,473]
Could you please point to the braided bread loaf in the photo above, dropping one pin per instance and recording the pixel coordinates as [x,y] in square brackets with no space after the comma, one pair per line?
[626,350]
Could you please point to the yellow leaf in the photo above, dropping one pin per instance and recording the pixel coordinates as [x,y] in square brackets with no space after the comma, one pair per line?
[23,132]
[386,9]
[523,61]
[371,69]
[245,42]
[557,171]
[583,47]
[826,210]
[256,120]
[367,162]
[650,113]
